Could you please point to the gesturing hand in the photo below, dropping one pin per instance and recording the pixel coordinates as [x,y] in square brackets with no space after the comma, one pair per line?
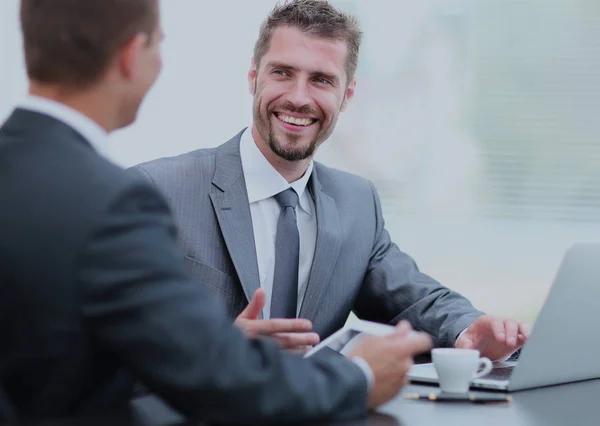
[291,333]
[494,337]
[390,357]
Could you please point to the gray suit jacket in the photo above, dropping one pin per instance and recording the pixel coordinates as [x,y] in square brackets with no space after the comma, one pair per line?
[356,266]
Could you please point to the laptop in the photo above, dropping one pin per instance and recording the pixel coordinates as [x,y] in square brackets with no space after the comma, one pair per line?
[563,346]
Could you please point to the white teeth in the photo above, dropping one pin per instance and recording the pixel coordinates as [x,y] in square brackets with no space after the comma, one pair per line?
[294,120]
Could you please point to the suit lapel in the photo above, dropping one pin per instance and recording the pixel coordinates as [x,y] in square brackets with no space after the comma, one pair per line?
[230,202]
[327,249]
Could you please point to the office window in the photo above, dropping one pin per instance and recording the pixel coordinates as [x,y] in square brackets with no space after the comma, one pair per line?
[477,120]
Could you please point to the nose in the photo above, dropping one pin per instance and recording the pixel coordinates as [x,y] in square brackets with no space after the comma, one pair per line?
[299,95]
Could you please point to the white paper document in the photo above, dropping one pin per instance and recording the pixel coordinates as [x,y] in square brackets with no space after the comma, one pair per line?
[343,340]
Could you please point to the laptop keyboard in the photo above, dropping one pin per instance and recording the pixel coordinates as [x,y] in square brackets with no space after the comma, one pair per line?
[500,373]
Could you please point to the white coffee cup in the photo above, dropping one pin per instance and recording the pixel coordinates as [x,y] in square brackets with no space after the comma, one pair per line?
[456,368]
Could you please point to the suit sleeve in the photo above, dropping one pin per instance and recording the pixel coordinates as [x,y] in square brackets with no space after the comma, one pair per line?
[177,338]
[142,173]
[395,289]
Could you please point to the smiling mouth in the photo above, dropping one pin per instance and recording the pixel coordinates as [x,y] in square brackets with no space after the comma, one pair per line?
[294,121]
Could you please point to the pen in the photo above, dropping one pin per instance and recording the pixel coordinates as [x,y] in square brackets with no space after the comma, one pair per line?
[434,396]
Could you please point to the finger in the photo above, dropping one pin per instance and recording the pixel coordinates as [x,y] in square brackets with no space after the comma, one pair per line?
[296,340]
[300,351]
[511,331]
[281,325]
[497,326]
[255,307]
[524,329]
[414,344]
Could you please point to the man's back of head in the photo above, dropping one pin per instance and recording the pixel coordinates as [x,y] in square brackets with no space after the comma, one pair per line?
[98,56]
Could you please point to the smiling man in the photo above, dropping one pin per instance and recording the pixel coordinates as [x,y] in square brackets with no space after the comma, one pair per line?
[291,245]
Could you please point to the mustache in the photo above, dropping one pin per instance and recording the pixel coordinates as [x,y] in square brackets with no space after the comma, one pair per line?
[304,109]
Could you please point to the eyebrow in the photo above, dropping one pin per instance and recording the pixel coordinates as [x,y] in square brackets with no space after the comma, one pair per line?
[332,77]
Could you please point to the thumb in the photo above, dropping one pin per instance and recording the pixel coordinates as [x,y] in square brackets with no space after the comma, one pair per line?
[252,311]
[465,342]
[403,328]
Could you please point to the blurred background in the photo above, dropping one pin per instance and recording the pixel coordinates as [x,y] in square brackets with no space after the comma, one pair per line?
[476,119]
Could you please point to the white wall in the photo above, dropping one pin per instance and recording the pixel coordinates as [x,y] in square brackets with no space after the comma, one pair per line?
[13,81]
[201,97]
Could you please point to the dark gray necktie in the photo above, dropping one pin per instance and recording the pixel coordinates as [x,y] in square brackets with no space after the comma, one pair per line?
[287,251]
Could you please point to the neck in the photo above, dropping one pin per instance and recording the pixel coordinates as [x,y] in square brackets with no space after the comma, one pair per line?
[290,170]
[91,102]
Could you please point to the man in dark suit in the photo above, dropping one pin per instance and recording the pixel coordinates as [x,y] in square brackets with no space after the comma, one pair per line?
[226,203]
[93,293]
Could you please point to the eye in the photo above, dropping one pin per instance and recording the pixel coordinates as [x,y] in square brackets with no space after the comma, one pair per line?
[322,81]
[279,72]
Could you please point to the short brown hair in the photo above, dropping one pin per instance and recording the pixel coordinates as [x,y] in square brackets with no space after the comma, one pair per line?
[72,42]
[316,17]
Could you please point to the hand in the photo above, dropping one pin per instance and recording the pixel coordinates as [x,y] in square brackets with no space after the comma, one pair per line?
[291,333]
[495,338]
[390,357]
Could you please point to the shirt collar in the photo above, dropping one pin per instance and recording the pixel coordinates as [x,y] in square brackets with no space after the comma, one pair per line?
[90,130]
[262,180]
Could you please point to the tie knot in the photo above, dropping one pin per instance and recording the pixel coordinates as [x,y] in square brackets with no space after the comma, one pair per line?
[287,198]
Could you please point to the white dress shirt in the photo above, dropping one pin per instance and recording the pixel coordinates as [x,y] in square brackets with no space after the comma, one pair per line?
[89,129]
[263,182]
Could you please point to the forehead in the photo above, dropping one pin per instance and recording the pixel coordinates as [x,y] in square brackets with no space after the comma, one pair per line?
[306,51]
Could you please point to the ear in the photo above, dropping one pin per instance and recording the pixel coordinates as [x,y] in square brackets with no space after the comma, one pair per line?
[252,73]
[349,94]
[128,56]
